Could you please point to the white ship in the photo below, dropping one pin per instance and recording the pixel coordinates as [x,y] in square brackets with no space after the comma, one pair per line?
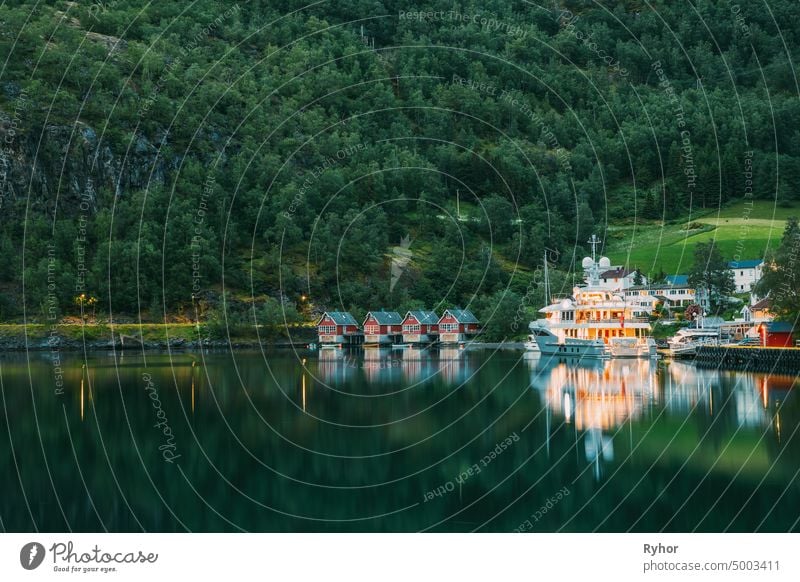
[593,323]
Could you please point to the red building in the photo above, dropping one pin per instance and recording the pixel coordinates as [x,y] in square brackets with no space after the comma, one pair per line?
[457,325]
[420,327]
[776,334]
[338,327]
[383,327]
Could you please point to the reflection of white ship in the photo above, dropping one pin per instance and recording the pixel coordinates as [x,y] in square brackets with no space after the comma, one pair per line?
[597,445]
[594,323]
[596,395]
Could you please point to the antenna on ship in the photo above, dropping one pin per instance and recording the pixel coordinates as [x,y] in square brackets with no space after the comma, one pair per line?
[590,264]
[594,241]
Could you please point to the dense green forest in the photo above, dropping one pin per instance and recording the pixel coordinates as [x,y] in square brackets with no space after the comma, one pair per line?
[376,153]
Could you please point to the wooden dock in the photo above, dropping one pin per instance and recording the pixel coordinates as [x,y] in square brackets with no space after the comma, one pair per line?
[749,358]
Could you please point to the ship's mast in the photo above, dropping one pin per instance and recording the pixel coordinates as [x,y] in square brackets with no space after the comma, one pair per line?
[546,281]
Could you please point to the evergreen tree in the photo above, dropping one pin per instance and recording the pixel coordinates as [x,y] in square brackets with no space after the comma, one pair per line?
[781,278]
[711,274]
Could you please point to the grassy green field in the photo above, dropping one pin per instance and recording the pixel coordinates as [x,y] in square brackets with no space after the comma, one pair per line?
[742,231]
[148,331]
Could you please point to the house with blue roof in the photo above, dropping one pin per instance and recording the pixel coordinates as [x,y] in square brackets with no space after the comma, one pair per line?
[383,327]
[677,280]
[457,326]
[420,327]
[746,273]
[338,328]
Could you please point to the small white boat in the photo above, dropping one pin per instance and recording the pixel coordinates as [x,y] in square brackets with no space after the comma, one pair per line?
[531,345]
[686,341]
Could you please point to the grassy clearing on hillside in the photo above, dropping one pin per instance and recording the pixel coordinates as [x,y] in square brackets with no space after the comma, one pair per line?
[740,230]
[760,210]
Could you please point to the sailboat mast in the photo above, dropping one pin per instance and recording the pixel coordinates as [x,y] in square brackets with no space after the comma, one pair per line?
[546,281]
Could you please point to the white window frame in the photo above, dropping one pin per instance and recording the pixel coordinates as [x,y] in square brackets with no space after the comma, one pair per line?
[327,329]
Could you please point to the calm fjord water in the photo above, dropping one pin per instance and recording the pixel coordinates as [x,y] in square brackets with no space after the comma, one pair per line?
[393,440]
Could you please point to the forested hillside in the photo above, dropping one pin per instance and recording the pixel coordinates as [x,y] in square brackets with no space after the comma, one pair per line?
[152,152]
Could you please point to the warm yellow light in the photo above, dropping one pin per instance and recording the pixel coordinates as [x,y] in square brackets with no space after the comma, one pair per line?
[304,392]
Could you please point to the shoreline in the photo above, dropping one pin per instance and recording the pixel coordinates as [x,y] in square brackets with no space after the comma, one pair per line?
[39,337]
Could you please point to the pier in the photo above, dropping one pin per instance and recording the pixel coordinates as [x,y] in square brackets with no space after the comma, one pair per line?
[749,358]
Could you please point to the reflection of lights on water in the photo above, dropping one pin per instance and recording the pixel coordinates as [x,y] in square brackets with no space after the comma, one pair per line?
[567,408]
[711,402]
[600,395]
[304,384]
[81,397]
[193,366]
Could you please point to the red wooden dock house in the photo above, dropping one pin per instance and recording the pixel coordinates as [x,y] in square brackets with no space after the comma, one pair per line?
[338,328]
[776,334]
[457,326]
[383,327]
[420,327]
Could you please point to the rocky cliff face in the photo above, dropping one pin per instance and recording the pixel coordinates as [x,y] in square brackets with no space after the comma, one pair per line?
[70,169]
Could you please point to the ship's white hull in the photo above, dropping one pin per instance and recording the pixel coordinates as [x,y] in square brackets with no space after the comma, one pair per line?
[547,344]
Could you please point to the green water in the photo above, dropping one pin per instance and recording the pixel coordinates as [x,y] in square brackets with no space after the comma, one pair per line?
[449,440]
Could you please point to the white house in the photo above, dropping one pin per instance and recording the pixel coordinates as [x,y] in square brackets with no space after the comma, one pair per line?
[619,278]
[673,295]
[676,292]
[746,274]
[757,312]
